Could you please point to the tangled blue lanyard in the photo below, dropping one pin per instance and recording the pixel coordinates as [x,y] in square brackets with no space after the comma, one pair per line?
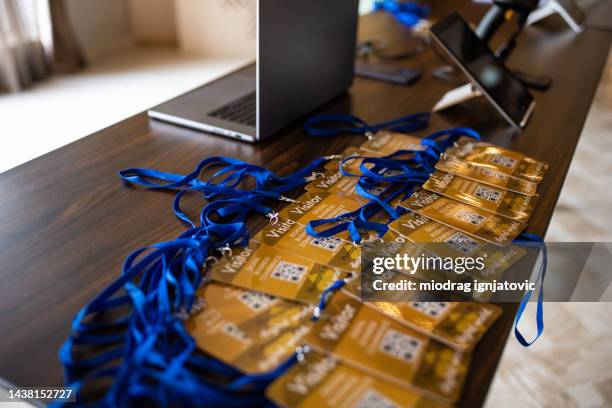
[160,281]
[394,172]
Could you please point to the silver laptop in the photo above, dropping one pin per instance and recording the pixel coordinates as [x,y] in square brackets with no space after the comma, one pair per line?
[305,57]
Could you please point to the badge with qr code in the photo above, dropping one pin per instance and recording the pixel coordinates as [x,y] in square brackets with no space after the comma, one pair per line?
[275,272]
[494,199]
[486,174]
[473,221]
[364,338]
[319,381]
[335,251]
[319,206]
[250,330]
[506,161]
[459,325]
[446,241]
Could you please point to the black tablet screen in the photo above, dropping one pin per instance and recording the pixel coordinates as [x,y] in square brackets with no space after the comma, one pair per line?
[479,62]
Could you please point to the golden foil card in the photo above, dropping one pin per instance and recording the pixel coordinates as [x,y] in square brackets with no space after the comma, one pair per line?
[494,199]
[459,325]
[275,272]
[368,340]
[485,174]
[335,183]
[336,251]
[385,142]
[471,220]
[321,381]
[249,330]
[318,206]
[450,242]
[507,161]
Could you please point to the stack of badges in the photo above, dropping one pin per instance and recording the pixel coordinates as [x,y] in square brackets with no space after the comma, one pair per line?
[258,304]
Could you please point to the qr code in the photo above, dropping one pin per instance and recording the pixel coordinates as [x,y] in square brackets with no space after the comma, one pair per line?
[470,217]
[399,345]
[289,272]
[504,161]
[462,242]
[494,173]
[256,300]
[233,331]
[330,243]
[433,309]
[487,193]
[373,399]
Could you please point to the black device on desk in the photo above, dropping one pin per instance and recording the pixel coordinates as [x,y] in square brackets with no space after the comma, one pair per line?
[495,17]
[386,73]
[487,73]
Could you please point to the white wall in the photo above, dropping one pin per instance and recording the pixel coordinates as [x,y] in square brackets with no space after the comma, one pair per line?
[153,21]
[102,26]
[216,27]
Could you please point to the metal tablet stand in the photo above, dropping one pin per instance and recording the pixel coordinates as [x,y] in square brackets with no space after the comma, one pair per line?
[550,8]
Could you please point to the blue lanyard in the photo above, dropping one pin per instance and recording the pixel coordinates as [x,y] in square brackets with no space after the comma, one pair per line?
[335,124]
[160,280]
[408,13]
[532,238]
[393,170]
[325,296]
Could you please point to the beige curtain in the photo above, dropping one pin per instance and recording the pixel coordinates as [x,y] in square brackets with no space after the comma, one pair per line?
[35,39]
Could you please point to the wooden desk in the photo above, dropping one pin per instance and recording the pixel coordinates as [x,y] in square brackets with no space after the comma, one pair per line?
[68,222]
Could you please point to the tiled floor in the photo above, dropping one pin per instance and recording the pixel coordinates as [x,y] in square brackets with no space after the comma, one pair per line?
[568,367]
[571,364]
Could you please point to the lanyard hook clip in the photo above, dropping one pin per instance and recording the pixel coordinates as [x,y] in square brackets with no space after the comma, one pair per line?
[226,251]
[287,199]
[313,176]
[273,216]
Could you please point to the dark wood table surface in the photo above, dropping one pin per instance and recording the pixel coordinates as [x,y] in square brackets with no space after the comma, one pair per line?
[68,222]
[598,14]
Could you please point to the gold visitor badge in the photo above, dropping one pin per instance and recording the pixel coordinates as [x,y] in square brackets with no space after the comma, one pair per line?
[459,325]
[275,272]
[494,199]
[370,341]
[445,241]
[322,381]
[249,330]
[471,220]
[507,161]
[318,206]
[335,251]
[486,174]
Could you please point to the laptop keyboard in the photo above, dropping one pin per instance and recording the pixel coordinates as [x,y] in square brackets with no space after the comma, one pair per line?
[242,110]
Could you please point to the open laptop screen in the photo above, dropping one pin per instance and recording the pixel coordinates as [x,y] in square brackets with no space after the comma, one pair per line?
[306,52]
